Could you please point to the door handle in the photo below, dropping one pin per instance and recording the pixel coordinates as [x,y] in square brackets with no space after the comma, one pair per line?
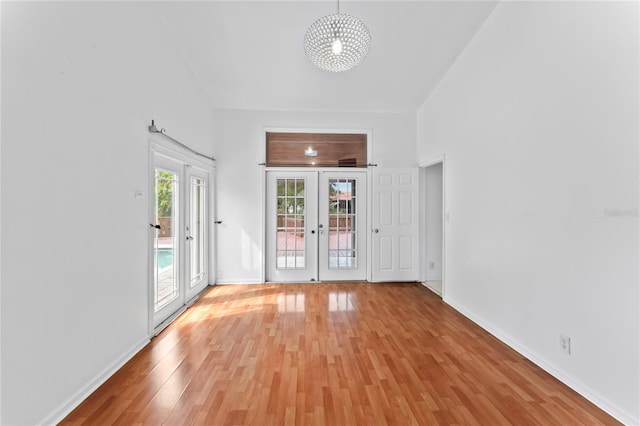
[189,238]
[313,231]
[218,222]
[376,230]
[155,226]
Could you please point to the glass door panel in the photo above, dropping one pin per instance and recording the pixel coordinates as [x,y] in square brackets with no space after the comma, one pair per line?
[342,218]
[196,230]
[166,254]
[342,243]
[291,221]
[290,229]
[197,233]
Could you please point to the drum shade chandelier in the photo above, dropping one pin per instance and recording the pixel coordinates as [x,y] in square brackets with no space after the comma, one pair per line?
[337,42]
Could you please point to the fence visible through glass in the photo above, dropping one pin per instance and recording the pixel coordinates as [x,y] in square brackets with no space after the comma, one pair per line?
[342,224]
[290,226]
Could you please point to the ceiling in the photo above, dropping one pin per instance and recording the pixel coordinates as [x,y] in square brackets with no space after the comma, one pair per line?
[250,55]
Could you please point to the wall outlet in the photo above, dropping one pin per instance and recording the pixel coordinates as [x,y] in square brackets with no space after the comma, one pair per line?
[432,265]
[220,275]
[565,344]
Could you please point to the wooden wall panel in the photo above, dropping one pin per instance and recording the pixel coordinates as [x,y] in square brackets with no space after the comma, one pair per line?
[334,149]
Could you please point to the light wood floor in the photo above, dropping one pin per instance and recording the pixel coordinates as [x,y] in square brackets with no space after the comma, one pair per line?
[336,354]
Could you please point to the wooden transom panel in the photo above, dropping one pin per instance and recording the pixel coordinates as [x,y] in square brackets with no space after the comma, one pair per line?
[331,150]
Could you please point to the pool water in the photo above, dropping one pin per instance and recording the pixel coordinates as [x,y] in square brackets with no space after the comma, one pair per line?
[164,257]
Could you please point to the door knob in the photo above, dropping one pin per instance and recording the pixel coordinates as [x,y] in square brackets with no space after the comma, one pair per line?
[376,230]
[313,231]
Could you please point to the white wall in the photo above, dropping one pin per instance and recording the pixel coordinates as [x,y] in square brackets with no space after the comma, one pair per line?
[538,119]
[239,149]
[80,84]
[433,222]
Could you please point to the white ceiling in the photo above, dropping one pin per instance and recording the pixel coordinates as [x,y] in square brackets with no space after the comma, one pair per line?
[250,55]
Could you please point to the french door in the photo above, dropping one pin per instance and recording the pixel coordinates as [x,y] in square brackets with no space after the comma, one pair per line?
[180,238]
[316,225]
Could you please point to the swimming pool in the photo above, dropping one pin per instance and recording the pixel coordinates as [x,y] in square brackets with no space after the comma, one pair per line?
[164,257]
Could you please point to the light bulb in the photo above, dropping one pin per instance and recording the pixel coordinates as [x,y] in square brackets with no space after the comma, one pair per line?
[336,46]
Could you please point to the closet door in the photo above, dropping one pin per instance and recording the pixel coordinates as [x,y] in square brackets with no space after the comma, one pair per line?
[395,226]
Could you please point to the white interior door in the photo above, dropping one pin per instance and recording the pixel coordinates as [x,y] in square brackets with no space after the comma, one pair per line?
[291,221]
[395,225]
[342,228]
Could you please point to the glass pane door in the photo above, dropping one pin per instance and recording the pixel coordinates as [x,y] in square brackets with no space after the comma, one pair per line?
[180,251]
[166,248]
[291,226]
[342,218]
[197,233]
[290,229]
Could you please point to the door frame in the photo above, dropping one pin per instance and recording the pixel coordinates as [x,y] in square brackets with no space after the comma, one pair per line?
[445,218]
[262,163]
[166,148]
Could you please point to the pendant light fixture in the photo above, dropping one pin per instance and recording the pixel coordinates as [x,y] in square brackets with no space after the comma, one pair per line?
[337,42]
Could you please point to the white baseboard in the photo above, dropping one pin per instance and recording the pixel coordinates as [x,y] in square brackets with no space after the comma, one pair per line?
[227,282]
[61,412]
[594,397]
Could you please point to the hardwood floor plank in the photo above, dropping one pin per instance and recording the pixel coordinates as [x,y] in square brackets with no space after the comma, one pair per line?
[334,354]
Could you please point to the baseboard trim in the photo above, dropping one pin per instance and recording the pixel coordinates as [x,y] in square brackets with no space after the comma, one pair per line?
[550,368]
[239,282]
[427,286]
[63,411]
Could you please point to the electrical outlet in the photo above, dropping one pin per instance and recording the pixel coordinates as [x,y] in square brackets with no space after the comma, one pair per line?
[432,265]
[565,344]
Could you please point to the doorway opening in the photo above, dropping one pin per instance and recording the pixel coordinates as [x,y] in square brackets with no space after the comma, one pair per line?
[432,179]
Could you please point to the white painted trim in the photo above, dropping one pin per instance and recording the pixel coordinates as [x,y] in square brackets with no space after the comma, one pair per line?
[552,369]
[432,161]
[423,165]
[213,228]
[67,407]
[240,282]
[444,227]
[150,236]
[165,147]
[425,285]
